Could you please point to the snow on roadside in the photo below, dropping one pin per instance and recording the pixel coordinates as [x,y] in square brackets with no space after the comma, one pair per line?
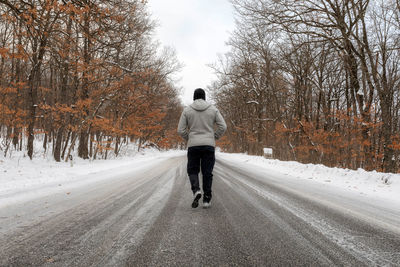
[370,183]
[19,174]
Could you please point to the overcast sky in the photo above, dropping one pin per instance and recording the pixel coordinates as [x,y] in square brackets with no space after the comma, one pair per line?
[197,30]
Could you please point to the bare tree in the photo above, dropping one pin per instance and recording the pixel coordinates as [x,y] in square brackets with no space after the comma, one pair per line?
[337,64]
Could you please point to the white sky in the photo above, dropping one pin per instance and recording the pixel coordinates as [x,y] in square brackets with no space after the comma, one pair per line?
[197,30]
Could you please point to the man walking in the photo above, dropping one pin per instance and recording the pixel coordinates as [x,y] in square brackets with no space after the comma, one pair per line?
[196,126]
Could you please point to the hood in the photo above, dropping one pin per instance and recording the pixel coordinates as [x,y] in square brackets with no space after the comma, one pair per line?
[200,105]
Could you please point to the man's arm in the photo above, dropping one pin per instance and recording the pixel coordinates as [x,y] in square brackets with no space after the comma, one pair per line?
[182,127]
[221,125]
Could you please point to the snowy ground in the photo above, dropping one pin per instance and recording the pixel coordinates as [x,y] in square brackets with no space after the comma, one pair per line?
[23,178]
[385,186]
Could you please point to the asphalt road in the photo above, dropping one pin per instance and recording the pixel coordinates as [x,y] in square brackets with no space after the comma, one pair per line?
[145,219]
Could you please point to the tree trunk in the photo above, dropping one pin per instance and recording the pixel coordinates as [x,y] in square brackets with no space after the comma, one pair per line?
[33,84]
[45,142]
[57,148]
[388,163]
[63,99]
[16,137]
[83,151]
[66,144]
[32,115]
[116,149]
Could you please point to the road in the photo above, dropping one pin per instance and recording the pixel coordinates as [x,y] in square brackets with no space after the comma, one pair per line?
[144,218]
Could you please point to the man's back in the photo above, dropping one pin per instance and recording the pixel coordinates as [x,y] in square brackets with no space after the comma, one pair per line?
[196,124]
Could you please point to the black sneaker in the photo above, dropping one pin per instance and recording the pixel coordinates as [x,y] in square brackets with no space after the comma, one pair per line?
[196,199]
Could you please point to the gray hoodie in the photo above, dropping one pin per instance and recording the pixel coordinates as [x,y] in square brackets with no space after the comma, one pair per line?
[196,124]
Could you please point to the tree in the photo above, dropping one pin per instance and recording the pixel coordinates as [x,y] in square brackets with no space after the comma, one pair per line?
[334,80]
[84,72]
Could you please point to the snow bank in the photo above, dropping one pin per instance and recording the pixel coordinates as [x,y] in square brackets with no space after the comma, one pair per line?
[19,174]
[376,184]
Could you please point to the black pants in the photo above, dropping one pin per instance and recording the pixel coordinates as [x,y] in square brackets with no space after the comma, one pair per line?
[204,157]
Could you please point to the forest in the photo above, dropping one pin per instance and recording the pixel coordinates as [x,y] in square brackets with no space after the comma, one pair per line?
[316,80]
[85,76]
